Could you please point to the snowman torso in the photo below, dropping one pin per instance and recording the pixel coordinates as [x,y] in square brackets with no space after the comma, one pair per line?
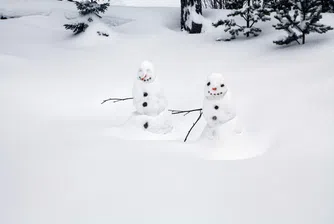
[218,111]
[221,118]
[148,98]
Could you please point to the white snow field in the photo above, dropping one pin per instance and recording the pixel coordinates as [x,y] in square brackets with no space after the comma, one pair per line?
[62,163]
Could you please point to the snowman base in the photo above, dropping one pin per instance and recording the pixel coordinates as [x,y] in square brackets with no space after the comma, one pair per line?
[223,131]
[144,127]
[160,124]
[230,141]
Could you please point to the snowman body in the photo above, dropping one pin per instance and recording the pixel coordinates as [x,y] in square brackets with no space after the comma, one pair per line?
[150,102]
[148,98]
[219,110]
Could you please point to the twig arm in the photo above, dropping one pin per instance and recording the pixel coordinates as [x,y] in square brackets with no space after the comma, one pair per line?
[199,117]
[185,112]
[115,100]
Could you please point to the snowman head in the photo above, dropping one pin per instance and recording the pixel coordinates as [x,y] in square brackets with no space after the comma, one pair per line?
[215,87]
[146,72]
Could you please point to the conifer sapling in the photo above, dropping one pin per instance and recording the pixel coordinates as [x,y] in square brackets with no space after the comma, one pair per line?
[298,18]
[252,12]
[89,10]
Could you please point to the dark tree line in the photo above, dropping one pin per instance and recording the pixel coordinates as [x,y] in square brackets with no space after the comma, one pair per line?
[327,5]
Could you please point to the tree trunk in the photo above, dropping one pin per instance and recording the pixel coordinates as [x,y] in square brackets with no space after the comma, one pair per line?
[183,4]
[248,17]
[185,14]
[303,38]
[215,4]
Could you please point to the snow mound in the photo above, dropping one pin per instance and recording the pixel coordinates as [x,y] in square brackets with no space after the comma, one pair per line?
[114,21]
[233,147]
[96,33]
[143,127]
[14,14]
[230,147]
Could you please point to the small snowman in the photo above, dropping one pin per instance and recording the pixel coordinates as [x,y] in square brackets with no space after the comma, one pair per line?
[148,96]
[219,110]
[151,112]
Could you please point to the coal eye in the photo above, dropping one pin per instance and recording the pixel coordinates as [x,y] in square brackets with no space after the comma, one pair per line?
[208,83]
[222,85]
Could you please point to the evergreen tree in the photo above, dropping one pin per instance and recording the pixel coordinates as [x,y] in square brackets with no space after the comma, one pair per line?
[89,10]
[191,10]
[252,12]
[298,18]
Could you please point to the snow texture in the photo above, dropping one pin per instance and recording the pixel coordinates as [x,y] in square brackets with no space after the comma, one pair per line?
[60,164]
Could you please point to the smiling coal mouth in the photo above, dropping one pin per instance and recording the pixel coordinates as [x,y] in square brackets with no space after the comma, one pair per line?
[146,80]
[215,94]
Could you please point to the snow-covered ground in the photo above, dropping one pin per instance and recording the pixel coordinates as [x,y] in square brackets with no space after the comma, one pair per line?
[60,164]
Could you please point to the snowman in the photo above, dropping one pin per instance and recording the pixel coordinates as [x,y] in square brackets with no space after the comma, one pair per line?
[151,112]
[148,96]
[219,110]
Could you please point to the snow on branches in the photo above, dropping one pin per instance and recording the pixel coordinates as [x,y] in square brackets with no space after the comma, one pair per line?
[252,12]
[91,7]
[298,18]
[89,10]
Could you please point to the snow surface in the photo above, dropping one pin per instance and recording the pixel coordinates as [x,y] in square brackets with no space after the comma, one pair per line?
[58,164]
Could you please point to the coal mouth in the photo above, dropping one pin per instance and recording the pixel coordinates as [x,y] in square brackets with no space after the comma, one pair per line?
[215,94]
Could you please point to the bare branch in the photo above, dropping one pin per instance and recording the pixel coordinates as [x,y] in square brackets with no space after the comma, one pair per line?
[115,100]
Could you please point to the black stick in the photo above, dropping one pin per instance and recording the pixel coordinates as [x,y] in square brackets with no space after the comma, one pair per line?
[115,100]
[185,112]
[200,115]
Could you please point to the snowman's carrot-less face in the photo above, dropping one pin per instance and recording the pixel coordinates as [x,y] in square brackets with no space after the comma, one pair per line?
[146,72]
[215,87]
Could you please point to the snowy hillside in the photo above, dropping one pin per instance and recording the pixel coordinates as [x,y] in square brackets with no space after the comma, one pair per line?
[62,162]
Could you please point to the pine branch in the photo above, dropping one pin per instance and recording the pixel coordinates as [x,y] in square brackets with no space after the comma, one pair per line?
[97,15]
[115,100]
[219,23]
[199,117]
[77,27]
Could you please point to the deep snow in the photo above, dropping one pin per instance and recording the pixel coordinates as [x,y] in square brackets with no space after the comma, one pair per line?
[59,163]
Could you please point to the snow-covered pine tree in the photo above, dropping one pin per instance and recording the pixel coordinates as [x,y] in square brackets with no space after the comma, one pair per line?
[89,10]
[298,18]
[191,11]
[252,12]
